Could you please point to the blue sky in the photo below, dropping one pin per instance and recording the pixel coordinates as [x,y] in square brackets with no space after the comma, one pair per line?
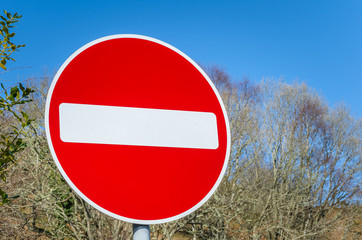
[318,42]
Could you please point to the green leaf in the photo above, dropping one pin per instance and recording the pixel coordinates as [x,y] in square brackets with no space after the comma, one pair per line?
[14,197]
[4,197]
[21,87]
[14,93]
[2,66]
[2,86]
[25,115]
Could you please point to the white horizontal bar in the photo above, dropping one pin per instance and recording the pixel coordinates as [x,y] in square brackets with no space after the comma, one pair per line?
[83,123]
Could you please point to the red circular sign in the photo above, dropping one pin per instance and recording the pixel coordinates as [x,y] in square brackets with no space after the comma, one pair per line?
[137,129]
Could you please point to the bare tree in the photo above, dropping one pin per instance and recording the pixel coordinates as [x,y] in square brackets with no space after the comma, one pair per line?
[294,173]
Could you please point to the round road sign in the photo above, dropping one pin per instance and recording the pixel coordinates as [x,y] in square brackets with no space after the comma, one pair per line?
[137,129]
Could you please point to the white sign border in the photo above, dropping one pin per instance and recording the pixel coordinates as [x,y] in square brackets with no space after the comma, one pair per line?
[131,220]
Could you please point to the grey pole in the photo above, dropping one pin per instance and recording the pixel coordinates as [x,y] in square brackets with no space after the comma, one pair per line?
[141,232]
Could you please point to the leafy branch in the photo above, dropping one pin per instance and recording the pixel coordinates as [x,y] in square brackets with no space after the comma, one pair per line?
[11,141]
[7,46]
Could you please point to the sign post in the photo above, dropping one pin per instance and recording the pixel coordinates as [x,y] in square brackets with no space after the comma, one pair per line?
[141,232]
[137,129]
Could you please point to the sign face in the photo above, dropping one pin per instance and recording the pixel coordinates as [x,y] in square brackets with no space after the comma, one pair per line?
[137,129]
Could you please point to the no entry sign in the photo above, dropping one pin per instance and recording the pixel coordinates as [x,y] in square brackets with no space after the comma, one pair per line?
[137,129]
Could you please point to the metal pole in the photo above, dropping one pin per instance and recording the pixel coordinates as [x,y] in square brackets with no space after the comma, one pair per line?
[141,232]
